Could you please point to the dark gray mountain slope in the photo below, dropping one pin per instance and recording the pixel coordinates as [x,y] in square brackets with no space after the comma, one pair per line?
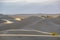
[45,25]
[22,24]
[5,16]
[56,20]
[32,23]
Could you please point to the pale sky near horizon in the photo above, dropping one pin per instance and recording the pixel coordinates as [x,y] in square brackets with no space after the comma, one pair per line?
[29,6]
[26,0]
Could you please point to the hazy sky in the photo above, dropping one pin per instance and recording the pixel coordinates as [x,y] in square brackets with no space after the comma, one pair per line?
[29,6]
[36,1]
